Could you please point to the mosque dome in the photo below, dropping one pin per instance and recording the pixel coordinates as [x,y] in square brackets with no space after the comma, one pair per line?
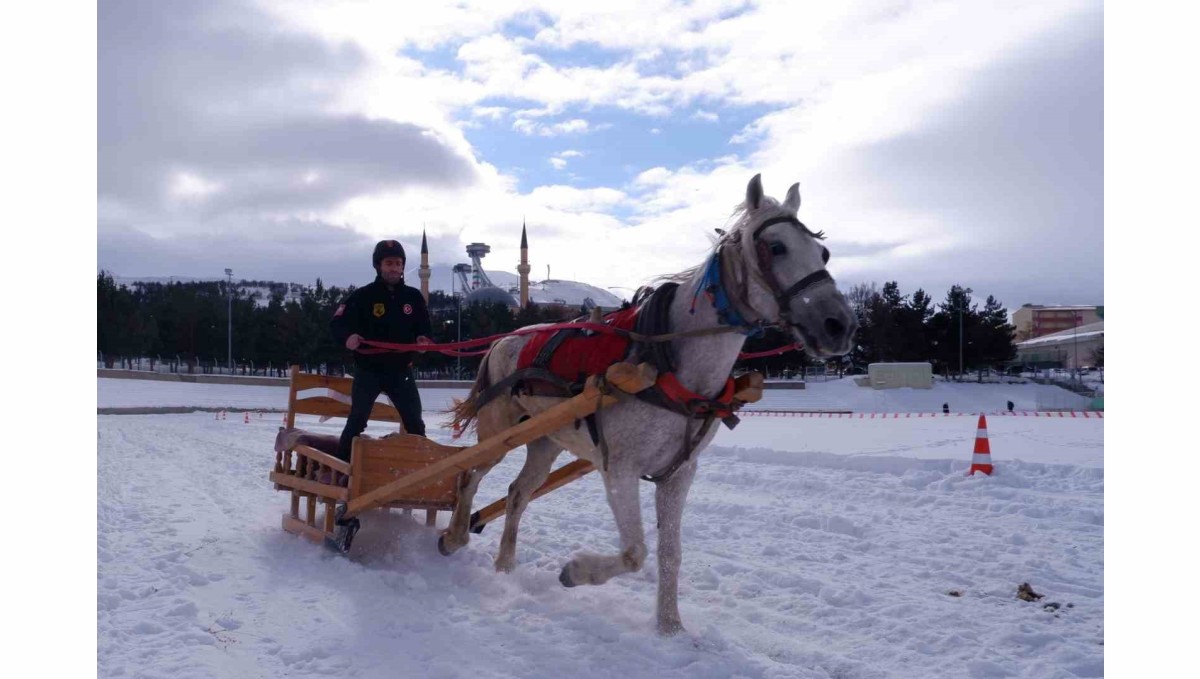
[490,294]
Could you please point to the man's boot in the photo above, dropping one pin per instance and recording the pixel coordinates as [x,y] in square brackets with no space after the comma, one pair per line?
[343,533]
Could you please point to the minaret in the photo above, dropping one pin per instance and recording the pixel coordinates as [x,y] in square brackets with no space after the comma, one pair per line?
[523,268]
[424,271]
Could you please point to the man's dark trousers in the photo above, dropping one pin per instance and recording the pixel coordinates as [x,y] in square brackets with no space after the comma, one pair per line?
[399,385]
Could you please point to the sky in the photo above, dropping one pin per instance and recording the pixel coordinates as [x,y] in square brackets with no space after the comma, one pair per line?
[936,143]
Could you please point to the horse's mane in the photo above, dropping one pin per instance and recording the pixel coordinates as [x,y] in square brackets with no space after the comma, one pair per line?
[740,218]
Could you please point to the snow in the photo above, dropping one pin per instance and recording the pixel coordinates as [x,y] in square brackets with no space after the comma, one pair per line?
[832,395]
[813,547]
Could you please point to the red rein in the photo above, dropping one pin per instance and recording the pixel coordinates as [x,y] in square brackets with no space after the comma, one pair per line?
[472,347]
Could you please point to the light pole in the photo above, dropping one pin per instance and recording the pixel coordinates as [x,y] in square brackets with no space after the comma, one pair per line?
[458,325]
[229,297]
[1075,318]
[962,300]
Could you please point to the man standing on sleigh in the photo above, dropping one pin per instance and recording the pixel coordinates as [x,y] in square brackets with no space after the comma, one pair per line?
[385,310]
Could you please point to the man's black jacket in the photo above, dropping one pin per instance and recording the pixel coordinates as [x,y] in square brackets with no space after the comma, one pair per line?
[388,314]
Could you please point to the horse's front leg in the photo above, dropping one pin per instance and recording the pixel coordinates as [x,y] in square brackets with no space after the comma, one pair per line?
[621,487]
[669,499]
[456,536]
[539,457]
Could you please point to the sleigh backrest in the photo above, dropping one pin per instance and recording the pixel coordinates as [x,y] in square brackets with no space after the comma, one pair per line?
[327,396]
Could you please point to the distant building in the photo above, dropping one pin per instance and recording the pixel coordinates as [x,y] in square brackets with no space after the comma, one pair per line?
[1036,320]
[490,294]
[479,286]
[897,375]
[1064,349]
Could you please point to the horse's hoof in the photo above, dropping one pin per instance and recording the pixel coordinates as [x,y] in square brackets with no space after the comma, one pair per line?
[565,577]
[670,629]
[442,549]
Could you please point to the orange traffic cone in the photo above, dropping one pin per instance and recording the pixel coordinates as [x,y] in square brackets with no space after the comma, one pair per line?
[981,461]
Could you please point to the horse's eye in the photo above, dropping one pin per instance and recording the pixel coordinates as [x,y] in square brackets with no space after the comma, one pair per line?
[825,255]
[778,249]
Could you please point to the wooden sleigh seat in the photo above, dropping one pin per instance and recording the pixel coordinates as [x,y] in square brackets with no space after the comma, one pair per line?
[321,479]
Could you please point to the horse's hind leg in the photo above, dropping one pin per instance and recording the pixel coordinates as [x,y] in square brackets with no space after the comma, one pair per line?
[539,457]
[621,488]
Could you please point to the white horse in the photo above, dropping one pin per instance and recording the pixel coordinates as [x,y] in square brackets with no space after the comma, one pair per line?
[767,270]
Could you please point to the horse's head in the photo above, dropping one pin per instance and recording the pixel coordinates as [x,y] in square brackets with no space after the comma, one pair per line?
[787,281]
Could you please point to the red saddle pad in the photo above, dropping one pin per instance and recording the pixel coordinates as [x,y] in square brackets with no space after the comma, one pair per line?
[579,355]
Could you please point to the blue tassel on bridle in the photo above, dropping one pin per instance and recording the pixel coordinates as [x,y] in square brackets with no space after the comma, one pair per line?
[712,286]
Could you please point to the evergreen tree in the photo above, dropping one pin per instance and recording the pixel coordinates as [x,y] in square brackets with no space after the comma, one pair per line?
[996,337]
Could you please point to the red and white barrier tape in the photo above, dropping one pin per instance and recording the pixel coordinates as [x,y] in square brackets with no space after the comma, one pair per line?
[1080,414]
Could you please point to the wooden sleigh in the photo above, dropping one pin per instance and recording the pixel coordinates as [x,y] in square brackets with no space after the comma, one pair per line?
[413,472]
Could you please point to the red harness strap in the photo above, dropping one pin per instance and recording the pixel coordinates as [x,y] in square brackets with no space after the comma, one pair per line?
[721,406]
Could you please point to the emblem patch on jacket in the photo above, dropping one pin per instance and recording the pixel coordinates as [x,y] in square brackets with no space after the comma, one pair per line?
[378,310]
[408,309]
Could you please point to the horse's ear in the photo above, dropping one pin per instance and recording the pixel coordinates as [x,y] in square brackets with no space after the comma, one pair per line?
[792,202]
[754,192]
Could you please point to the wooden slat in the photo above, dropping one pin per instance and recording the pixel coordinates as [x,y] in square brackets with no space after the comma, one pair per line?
[305,381]
[624,376]
[300,528]
[311,487]
[291,414]
[379,462]
[557,479]
[324,458]
[324,406]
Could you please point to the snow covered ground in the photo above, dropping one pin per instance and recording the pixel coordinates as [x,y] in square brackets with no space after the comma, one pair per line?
[834,395]
[812,548]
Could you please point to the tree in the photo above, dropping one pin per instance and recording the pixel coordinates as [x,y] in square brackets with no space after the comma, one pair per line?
[995,334]
[953,330]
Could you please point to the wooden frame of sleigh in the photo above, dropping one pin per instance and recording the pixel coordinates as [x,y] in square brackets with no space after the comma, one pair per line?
[415,473]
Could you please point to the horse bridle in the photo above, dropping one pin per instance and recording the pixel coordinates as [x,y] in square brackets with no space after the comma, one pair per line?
[767,278]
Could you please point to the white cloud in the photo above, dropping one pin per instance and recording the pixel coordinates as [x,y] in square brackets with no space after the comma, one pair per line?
[489,112]
[531,127]
[835,78]
[559,160]
[191,186]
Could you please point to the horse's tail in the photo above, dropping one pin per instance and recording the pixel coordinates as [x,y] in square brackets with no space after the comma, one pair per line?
[464,411]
